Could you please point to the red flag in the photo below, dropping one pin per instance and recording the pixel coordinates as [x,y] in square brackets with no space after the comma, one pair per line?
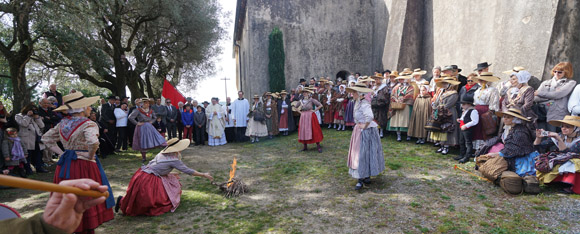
[170,92]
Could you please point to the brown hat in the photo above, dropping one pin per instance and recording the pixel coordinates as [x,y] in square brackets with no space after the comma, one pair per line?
[512,112]
[568,119]
[487,76]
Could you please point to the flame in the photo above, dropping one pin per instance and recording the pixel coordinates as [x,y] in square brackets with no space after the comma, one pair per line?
[232,172]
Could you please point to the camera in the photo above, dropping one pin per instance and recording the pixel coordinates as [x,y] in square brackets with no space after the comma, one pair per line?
[544,133]
[35,112]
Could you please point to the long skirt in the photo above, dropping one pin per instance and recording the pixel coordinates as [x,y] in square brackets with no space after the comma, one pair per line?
[365,154]
[283,123]
[572,179]
[349,113]
[309,131]
[147,195]
[400,120]
[419,117]
[478,129]
[526,165]
[211,141]
[256,128]
[83,169]
[268,121]
[147,137]
[328,115]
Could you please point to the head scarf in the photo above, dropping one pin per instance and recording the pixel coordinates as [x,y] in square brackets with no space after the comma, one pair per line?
[523,76]
[17,151]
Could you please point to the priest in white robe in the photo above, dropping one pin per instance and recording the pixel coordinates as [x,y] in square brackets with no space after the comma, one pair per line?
[240,110]
[216,123]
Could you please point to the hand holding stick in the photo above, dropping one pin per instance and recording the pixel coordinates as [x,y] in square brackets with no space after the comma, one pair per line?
[17,182]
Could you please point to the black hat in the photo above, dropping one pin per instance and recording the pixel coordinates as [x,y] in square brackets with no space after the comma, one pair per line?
[481,66]
[205,102]
[112,97]
[302,80]
[389,71]
[451,67]
[467,99]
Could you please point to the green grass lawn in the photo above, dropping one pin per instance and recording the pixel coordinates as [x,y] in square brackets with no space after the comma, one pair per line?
[307,192]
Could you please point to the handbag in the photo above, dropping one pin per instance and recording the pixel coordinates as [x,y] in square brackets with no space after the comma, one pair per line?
[511,183]
[397,105]
[493,167]
[488,122]
[259,116]
[532,184]
[541,111]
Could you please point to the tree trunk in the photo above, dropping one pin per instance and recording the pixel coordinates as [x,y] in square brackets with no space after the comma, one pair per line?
[22,95]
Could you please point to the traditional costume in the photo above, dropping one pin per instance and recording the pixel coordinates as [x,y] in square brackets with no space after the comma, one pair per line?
[339,103]
[78,136]
[445,113]
[380,104]
[326,99]
[485,98]
[309,131]
[286,121]
[420,115]
[145,136]
[153,189]
[365,154]
[402,99]
[271,109]
[216,124]
[257,126]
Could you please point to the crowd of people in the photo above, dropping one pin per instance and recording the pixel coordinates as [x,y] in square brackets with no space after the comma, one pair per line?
[528,128]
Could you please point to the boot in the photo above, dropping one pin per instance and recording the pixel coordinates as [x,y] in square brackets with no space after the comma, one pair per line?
[464,159]
[305,147]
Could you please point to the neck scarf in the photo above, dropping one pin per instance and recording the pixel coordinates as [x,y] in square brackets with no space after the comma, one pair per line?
[468,87]
[17,151]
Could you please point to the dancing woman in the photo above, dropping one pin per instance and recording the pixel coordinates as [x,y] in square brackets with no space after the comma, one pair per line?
[309,131]
[80,138]
[365,154]
[145,136]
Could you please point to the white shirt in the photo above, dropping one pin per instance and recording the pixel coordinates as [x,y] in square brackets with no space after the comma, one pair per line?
[474,118]
[574,101]
[240,110]
[121,116]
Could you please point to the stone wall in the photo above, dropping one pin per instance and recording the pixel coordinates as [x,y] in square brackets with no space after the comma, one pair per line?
[321,38]
[505,33]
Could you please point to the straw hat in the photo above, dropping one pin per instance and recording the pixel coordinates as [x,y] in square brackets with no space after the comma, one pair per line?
[406,71]
[175,145]
[394,74]
[403,77]
[512,112]
[307,90]
[447,79]
[330,83]
[146,100]
[283,92]
[568,119]
[487,76]
[359,87]
[377,76]
[322,80]
[256,96]
[418,72]
[76,100]
[516,69]
[268,94]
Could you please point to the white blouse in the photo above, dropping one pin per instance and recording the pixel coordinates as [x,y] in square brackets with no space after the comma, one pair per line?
[489,96]
[363,112]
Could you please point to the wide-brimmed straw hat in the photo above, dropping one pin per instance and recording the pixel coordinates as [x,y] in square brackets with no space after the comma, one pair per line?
[394,74]
[146,100]
[76,100]
[418,72]
[448,80]
[568,119]
[377,76]
[487,76]
[268,94]
[283,92]
[406,71]
[403,77]
[515,69]
[322,80]
[175,145]
[512,112]
[307,90]
[359,87]
[256,96]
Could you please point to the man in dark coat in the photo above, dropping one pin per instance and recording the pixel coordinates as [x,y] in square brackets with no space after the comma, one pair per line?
[107,119]
[52,92]
[171,119]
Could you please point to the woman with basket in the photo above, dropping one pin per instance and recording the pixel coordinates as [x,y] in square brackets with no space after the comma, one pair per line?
[442,123]
[256,125]
[402,99]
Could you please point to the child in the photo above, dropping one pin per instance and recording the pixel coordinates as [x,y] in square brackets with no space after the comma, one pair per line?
[187,119]
[160,126]
[420,115]
[469,118]
[14,154]
[199,121]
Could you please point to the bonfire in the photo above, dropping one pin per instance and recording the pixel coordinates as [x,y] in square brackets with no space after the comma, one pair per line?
[233,187]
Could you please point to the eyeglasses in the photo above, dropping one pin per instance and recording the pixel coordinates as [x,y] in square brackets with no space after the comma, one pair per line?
[469,81]
[558,72]
[167,102]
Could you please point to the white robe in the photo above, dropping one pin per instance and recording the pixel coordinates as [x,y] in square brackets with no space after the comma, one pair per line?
[230,121]
[215,125]
[240,110]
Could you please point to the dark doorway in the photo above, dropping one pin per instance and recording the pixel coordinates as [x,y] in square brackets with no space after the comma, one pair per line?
[342,74]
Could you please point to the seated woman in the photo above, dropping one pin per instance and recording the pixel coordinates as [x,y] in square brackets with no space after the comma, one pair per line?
[517,139]
[153,190]
[560,165]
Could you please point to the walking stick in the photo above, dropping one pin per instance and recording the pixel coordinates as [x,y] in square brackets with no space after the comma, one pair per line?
[17,182]
[471,173]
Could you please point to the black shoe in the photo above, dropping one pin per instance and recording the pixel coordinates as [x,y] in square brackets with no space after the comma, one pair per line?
[437,144]
[464,159]
[440,150]
[445,150]
[418,142]
[458,157]
[367,180]
[319,149]
[358,186]
[41,170]
[118,204]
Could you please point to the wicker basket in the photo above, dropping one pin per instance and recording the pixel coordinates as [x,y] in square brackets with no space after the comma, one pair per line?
[397,105]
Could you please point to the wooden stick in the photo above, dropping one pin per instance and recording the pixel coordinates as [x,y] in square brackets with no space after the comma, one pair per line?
[18,182]
[471,173]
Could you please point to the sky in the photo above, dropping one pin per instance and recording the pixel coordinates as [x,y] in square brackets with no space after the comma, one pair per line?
[213,86]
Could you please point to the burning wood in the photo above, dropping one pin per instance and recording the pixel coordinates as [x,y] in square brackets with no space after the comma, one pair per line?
[233,187]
